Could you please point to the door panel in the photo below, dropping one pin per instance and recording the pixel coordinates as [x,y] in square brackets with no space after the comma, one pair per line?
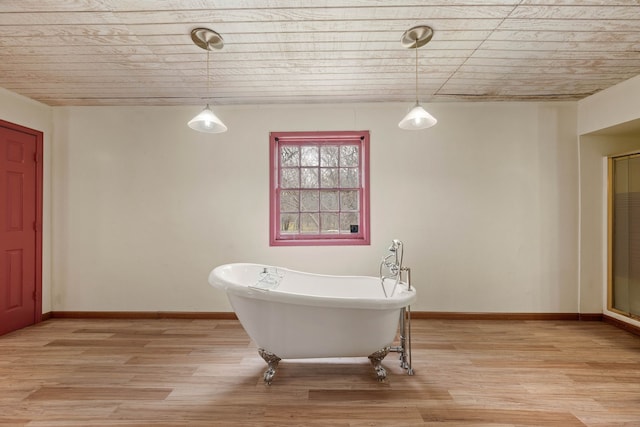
[15,282]
[18,219]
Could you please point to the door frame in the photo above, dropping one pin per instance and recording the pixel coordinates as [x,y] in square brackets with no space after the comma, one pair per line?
[37,317]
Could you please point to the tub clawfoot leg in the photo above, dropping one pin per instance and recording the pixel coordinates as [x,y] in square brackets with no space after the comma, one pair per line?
[272,360]
[376,361]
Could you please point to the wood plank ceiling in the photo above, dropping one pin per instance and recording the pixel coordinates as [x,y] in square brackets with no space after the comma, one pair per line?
[137,52]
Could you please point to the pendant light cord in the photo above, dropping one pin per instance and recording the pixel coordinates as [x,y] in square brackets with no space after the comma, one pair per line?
[208,79]
[415,46]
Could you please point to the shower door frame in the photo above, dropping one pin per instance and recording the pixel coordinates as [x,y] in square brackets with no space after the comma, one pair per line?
[610,233]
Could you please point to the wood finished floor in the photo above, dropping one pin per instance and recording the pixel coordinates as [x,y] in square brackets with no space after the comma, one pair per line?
[71,372]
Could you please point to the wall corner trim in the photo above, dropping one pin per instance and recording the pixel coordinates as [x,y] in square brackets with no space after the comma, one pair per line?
[218,315]
[442,315]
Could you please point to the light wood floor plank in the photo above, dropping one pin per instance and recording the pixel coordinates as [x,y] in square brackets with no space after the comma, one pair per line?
[180,372]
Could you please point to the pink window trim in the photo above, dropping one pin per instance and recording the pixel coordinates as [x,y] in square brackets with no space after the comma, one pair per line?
[363,237]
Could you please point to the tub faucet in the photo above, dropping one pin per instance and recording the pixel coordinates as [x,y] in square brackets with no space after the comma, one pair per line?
[393,263]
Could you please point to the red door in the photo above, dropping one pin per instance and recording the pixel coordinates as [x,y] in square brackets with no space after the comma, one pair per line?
[20,216]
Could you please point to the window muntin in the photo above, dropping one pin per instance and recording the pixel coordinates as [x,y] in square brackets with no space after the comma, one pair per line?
[319,188]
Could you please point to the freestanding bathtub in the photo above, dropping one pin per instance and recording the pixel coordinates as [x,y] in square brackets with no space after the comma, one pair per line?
[294,315]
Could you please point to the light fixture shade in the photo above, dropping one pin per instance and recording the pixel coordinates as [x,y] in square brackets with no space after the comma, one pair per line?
[417,118]
[208,122]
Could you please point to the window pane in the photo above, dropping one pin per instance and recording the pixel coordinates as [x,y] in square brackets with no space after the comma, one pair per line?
[348,201]
[347,220]
[309,156]
[309,223]
[289,223]
[349,155]
[329,177]
[289,201]
[289,156]
[290,178]
[348,177]
[329,223]
[329,201]
[309,177]
[309,201]
[328,156]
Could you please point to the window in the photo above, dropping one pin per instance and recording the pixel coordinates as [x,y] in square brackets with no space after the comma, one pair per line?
[319,184]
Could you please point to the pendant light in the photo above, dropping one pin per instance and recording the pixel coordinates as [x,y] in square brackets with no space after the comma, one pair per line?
[417,117]
[207,121]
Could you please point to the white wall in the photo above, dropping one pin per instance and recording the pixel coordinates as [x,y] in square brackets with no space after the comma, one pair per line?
[608,124]
[613,106]
[486,203]
[34,115]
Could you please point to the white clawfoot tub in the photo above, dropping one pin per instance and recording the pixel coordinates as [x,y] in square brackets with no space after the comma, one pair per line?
[295,315]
